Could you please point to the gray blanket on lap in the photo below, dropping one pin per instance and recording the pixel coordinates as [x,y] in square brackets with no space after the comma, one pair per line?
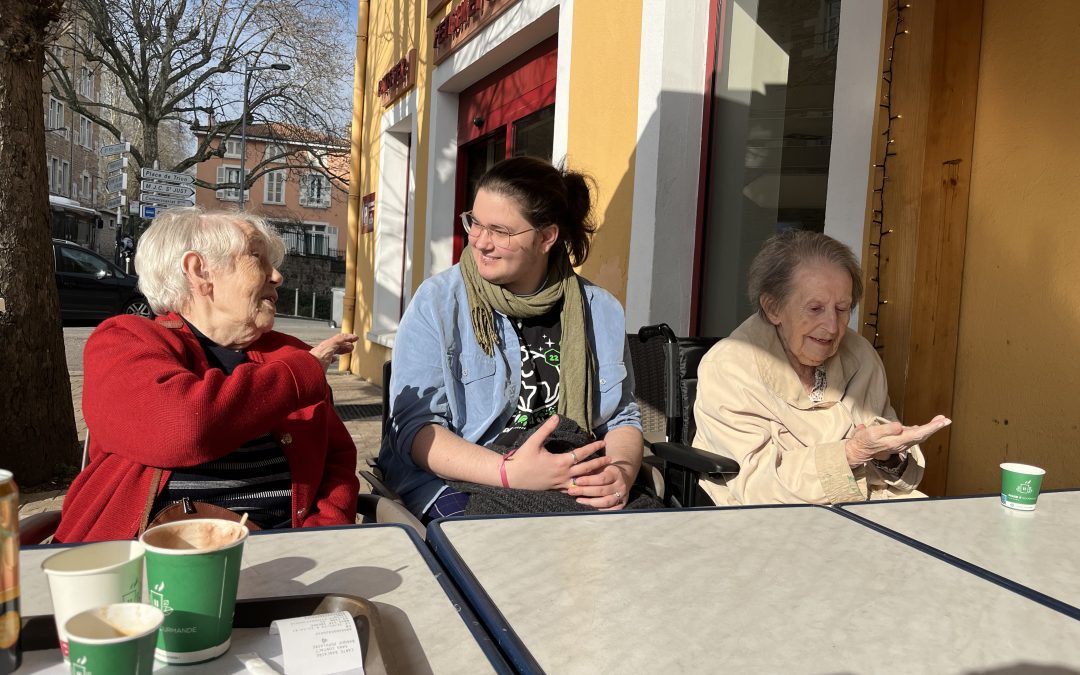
[491,500]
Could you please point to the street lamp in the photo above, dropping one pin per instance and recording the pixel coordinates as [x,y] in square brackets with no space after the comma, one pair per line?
[243,123]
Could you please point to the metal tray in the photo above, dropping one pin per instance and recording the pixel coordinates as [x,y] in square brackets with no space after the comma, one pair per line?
[39,632]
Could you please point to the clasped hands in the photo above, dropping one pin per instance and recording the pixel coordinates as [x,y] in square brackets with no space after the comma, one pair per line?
[881,441]
[600,482]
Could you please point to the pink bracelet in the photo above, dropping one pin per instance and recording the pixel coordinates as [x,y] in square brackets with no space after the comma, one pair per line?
[502,467]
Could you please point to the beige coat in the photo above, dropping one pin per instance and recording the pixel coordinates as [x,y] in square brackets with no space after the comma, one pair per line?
[752,407]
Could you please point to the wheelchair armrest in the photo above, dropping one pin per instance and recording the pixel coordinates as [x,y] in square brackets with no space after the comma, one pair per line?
[693,459]
[38,527]
[384,510]
[380,488]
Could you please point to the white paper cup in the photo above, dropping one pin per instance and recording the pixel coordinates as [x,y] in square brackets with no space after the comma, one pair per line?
[92,575]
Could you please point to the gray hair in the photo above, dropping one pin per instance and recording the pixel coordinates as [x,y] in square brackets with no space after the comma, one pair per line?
[213,234]
[773,269]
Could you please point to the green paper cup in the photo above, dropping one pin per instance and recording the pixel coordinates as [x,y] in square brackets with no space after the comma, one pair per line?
[113,640]
[1020,485]
[192,570]
[92,575]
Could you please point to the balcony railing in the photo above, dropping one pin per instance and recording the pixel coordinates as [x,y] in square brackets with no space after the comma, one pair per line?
[316,252]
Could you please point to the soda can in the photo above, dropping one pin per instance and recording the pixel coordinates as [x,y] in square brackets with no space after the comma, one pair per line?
[10,619]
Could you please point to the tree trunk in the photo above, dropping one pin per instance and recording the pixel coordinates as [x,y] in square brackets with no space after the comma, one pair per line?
[37,420]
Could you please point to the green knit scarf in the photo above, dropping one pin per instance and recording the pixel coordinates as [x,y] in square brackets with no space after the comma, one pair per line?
[577,370]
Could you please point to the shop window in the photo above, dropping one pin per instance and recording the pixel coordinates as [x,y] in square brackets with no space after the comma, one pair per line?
[772,119]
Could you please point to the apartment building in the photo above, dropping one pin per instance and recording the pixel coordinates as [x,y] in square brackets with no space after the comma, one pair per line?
[294,185]
[76,181]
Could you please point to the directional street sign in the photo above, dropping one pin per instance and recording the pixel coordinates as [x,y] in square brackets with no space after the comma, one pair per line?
[116,183]
[166,176]
[148,211]
[117,165]
[167,188]
[115,202]
[114,149]
[166,200]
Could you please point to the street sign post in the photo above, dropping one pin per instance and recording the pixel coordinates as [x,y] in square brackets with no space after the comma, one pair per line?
[115,202]
[114,149]
[165,200]
[117,165]
[167,188]
[116,182]
[166,176]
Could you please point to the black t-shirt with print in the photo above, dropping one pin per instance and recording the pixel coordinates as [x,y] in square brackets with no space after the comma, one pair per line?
[538,398]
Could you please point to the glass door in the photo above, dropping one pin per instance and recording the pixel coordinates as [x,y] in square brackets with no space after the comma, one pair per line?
[507,114]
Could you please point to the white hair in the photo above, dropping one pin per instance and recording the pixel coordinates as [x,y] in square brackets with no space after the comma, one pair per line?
[215,235]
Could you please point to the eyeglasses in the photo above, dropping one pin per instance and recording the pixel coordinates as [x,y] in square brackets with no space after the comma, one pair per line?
[499,234]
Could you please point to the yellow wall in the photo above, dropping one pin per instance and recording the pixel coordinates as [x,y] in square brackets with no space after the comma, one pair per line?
[393,29]
[1018,372]
[602,133]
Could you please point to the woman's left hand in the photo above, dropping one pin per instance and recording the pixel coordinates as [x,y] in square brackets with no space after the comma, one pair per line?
[606,489]
[325,351]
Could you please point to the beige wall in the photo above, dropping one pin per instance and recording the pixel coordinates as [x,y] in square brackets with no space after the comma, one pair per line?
[1018,374]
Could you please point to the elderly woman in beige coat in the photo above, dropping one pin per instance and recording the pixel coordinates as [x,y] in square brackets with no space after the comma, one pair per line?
[799,400]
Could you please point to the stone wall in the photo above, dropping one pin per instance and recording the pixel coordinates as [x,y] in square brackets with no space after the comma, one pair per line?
[312,273]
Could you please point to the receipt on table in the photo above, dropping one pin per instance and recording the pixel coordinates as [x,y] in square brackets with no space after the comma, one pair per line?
[321,644]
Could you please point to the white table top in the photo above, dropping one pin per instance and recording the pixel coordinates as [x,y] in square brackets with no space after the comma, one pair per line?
[752,590]
[1039,549]
[380,563]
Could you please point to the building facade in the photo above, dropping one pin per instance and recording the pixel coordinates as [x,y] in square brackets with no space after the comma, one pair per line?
[292,188]
[908,132]
[76,179]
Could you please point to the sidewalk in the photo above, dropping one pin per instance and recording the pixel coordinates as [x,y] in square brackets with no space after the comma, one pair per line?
[358,403]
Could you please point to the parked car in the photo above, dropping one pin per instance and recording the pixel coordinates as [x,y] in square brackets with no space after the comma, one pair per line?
[92,288]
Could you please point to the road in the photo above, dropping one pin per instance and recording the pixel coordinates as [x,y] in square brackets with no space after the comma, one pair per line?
[311,332]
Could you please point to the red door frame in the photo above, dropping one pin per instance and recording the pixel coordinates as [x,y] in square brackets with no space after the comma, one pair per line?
[517,89]
[713,62]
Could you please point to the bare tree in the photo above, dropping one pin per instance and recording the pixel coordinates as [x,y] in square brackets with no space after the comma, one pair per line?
[183,63]
[37,420]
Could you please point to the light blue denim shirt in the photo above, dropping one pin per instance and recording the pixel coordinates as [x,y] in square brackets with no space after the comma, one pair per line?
[441,376]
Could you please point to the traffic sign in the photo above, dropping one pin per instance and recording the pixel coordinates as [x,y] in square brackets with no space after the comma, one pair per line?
[114,149]
[116,201]
[166,200]
[116,182]
[167,188]
[117,165]
[133,208]
[148,211]
[167,176]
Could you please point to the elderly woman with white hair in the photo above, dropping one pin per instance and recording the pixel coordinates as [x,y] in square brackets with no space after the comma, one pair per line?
[797,399]
[207,405]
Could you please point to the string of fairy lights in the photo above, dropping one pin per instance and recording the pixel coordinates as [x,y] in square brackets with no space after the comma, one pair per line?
[882,171]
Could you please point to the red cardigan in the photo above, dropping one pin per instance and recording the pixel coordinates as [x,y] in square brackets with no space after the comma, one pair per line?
[150,399]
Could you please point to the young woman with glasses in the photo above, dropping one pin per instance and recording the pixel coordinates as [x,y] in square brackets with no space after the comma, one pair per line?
[510,389]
